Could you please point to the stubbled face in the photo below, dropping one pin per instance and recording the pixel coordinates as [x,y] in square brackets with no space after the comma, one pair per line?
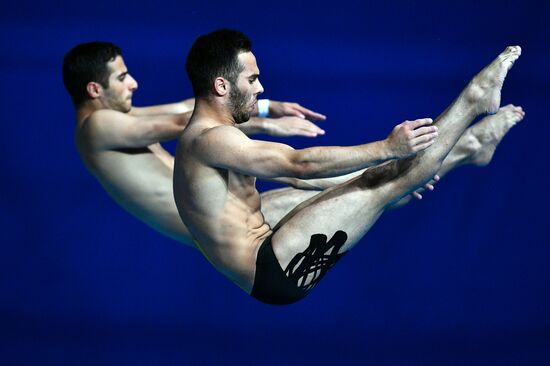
[243,94]
[118,96]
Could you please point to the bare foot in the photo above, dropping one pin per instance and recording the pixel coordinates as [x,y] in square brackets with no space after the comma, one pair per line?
[484,89]
[481,139]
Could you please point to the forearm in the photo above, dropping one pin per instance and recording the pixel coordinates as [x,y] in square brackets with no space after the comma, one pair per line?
[254,126]
[325,162]
[172,108]
[164,127]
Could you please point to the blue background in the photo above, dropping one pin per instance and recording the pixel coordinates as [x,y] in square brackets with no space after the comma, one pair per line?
[460,278]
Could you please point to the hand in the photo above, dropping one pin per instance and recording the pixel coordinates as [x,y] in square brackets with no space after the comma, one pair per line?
[292,126]
[428,186]
[282,109]
[410,137]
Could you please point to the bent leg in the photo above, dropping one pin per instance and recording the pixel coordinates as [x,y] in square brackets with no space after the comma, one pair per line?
[343,214]
[277,203]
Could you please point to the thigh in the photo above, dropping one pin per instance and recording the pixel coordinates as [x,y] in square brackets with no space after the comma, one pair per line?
[327,224]
[277,203]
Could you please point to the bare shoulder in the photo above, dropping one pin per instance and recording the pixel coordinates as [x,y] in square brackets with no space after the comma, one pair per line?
[219,134]
[98,120]
[209,142]
[104,115]
[99,128]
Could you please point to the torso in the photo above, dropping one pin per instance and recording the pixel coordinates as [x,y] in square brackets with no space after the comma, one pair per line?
[221,209]
[138,179]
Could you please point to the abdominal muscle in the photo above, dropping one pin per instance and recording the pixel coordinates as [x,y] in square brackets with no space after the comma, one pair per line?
[230,227]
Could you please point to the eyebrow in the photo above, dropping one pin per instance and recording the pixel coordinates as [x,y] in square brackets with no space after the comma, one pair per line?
[123,74]
[254,76]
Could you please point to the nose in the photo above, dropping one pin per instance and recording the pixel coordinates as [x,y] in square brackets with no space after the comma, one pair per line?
[259,88]
[133,83]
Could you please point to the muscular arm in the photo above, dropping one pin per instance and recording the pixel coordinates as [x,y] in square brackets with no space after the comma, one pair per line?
[281,109]
[172,108]
[282,127]
[108,129]
[286,119]
[228,148]
[290,118]
[324,183]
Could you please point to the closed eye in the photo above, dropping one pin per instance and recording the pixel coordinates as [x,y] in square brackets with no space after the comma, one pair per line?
[253,78]
[122,76]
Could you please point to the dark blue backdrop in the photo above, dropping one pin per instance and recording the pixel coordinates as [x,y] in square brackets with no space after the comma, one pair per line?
[460,278]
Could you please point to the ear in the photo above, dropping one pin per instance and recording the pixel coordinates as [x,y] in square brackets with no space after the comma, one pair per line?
[221,86]
[93,89]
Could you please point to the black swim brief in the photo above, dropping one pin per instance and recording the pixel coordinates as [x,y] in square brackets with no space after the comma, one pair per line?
[275,286]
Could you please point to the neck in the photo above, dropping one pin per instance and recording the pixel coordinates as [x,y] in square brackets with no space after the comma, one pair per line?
[84,111]
[213,109]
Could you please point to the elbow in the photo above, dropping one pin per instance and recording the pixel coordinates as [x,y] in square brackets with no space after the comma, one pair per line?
[303,170]
[300,167]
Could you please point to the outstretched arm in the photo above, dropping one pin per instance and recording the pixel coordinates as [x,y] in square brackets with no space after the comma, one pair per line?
[289,118]
[172,108]
[286,119]
[109,129]
[282,127]
[280,109]
[228,148]
[324,183]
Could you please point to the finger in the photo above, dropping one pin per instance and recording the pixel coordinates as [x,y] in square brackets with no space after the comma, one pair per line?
[289,111]
[309,132]
[303,132]
[429,187]
[310,128]
[309,114]
[315,116]
[423,139]
[424,131]
[303,125]
[420,122]
[417,195]
[434,180]
[423,146]
[313,127]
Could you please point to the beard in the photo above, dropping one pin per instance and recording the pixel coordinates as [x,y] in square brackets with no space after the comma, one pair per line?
[239,104]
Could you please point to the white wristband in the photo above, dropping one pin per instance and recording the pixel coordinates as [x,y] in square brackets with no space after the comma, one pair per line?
[263,107]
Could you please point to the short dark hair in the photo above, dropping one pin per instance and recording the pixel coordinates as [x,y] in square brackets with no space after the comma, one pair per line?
[87,62]
[215,54]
